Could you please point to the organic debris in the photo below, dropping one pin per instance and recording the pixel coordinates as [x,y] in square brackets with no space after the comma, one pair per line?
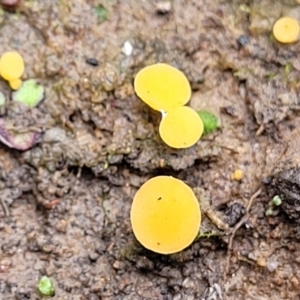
[10,5]
[17,140]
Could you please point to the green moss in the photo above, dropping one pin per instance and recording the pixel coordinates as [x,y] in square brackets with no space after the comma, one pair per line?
[209,120]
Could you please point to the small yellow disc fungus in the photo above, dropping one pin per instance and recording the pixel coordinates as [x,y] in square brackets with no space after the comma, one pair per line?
[15,84]
[286,30]
[11,65]
[181,127]
[162,87]
[165,215]
[237,175]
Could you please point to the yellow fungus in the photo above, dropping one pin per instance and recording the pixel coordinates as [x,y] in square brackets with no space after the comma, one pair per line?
[162,87]
[11,65]
[286,30]
[181,127]
[15,84]
[237,175]
[165,215]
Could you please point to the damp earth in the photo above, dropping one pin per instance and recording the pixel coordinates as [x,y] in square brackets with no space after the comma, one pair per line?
[65,202]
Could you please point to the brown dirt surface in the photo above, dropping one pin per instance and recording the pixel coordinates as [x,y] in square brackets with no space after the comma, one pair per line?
[65,203]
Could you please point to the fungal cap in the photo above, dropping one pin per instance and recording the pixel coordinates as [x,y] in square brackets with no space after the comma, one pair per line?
[237,175]
[165,215]
[162,87]
[286,30]
[15,84]
[11,65]
[181,127]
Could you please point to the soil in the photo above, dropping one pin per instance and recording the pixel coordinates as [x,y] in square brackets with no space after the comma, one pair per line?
[66,201]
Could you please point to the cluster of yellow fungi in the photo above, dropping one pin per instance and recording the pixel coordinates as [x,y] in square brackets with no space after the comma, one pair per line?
[166,89]
[165,215]
[12,68]
[286,30]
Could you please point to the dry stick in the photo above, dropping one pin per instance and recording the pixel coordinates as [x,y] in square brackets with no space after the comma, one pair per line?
[239,225]
[4,207]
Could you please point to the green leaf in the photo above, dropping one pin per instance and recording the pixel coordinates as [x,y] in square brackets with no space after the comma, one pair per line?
[46,286]
[30,93]
[210,121]
[101,12]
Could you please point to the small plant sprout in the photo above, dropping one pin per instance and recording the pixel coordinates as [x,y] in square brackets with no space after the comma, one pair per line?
[162,87]
[286,30]
[210,121]
[46,286]
[31,93]
[12,68]
[165,215]
[275,202]
[181,127]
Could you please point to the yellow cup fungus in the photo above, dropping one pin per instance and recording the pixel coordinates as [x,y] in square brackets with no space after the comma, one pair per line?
[162,87]
[12,68]
[181,127]
[166,89]
[286,30]
[165,215]
[237,175]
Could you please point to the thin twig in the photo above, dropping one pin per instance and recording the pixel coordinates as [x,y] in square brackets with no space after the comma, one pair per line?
[243,220]
[4,207]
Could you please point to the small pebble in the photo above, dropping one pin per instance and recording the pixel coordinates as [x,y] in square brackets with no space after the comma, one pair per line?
[61,226]
[243,40]
[188,283]
[127,48]
[272,266]
[163,7]
[5,264]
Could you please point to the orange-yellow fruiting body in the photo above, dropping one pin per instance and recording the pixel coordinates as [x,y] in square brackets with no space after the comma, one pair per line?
[15,84]
[237,175]
[11,65]
[165,215]
[162,87]
[181,127]
[286,30]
